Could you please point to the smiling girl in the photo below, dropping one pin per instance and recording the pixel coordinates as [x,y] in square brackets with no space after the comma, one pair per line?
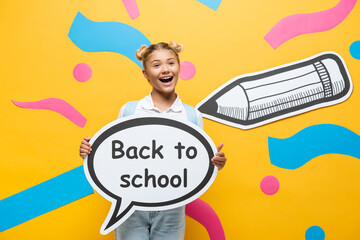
[161,67]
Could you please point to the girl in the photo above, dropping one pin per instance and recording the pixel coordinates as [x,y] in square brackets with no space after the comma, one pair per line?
[161,67]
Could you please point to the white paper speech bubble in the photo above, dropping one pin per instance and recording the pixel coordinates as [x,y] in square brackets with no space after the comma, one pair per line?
[149,163]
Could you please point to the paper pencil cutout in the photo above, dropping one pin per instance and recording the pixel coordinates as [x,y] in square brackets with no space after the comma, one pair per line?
[255,99]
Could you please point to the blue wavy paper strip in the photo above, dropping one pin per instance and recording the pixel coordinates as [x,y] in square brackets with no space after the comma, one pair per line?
[117,37]
[213,4]
[44,197]
[313,141]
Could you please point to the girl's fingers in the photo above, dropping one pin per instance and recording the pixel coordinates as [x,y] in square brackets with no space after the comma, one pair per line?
[85,150]
[219,166]
[219,162]
[85,143]
[220,147]
[85,147]
[220,154]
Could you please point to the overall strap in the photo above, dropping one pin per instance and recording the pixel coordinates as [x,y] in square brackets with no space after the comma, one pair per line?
[130,108]
[191,113]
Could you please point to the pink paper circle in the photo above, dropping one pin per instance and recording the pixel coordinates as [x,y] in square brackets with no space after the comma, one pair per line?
[82,72]
[270,185]
[187,70]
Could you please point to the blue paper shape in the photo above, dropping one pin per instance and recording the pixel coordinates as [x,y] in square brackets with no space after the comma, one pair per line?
[117,37]
[355,50]
[313,141]
[315,233]
[44,197]
[214,4]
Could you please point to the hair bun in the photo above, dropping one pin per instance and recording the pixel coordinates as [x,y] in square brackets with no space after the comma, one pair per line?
[178,47]
[140,52]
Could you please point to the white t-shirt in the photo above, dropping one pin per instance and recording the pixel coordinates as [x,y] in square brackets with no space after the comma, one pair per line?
[177,110]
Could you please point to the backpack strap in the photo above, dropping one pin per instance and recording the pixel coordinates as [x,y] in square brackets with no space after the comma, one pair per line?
[191,113]
[130,108]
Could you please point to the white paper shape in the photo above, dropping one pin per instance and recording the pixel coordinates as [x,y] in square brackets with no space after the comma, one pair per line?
[255,99]
[134,164]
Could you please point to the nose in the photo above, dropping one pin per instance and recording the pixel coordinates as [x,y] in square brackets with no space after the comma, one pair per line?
[165,69]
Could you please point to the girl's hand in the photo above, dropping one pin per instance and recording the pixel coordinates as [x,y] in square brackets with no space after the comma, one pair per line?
[85,147]
[219,160]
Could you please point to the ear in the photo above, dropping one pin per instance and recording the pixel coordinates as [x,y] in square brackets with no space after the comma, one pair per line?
[145,74]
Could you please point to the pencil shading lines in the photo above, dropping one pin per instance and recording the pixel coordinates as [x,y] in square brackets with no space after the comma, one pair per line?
[236,112]
[255,99]
[56,105]
[131,8]
[213,4]
[299,24]
[117,37]
[324,76]
[283,103]
[287,102]
[297,150]
[285,92]
[282,80]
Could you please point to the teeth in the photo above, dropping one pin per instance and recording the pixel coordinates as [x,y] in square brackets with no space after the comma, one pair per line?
[166,79]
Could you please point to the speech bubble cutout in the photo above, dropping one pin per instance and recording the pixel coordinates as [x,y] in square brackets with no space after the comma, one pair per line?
[149,163]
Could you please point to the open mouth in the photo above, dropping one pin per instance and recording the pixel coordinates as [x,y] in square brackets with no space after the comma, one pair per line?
[166,79]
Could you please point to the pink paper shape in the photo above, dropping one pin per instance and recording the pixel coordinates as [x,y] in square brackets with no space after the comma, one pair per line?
[132,8]
[82,72]
[206,216]
[56,105]
[294,25]
[270,185]
[187,70]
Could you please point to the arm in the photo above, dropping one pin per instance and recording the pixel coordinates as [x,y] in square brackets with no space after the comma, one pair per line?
[219,159]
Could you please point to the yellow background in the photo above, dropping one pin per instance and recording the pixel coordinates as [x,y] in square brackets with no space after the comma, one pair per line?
[37,60]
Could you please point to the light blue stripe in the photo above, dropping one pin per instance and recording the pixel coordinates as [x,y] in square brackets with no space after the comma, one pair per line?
[44,197]
[130,108]
[214,4]
[117,37]
[313,141]
[191,113]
